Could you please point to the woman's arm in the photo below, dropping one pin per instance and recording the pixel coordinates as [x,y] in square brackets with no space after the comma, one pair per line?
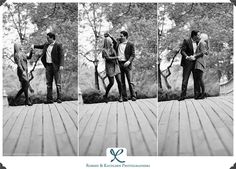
[203,50]
[107,57]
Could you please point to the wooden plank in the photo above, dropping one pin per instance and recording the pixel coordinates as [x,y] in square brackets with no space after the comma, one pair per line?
[24,138]
[152,119]
[12,139]
[148,133]
[150,106]
[9,112]
[172,136]
[72,113]
[10,123]
[110,139]
[83,109]
[64,146]
[84,119]
[70,128]
[226,102]
[123,130]
[152,100]
[220,112]
[185,138]
[36,140]
[222,131]
[88,132]
[212,138]
[200,145]
[162,127]
[73,105]
[49,138]
[161,107]
[95,147]
[138,146]
[227,110]
[228,98]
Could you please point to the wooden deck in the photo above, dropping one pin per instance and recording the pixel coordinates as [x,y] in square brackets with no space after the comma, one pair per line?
[41,130]
[130,125]
[196,127]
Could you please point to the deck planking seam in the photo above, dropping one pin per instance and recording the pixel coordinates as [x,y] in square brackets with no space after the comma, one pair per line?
[105,132]
[69,114]
[202,128]
[54,132]
[65,129]
[221,118]
[216,129]
[140,128]
[18,137]
[149,122]
[190,128]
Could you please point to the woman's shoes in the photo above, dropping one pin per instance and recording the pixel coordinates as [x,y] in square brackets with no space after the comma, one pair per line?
[201,96]
[28,103]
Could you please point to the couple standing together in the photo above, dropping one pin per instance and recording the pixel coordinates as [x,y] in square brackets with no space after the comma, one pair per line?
[119,55]
[194,51]
[53,60]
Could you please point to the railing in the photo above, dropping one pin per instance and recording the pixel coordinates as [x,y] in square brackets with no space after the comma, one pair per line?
[226,88]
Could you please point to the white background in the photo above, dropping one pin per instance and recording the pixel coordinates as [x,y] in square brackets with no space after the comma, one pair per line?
[80,162]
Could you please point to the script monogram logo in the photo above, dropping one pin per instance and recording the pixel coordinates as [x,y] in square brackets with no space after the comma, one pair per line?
[115,154]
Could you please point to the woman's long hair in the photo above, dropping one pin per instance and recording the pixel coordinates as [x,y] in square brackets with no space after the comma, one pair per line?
[17,48]
[204,38]
[108,46]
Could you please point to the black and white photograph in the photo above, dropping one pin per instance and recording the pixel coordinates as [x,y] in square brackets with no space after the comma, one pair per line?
[40,79]
[118,78]
[195,79]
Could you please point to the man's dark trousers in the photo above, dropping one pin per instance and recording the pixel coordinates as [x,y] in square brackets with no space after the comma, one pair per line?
[53,72]
[187,69]
[126,71]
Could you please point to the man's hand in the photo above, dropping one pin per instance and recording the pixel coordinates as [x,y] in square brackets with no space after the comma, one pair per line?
[127,63]
[192,57]
[61,68]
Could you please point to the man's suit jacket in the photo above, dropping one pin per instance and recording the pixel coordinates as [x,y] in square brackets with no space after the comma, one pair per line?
[186,50]
[200,56]
[129,51]
[57,54]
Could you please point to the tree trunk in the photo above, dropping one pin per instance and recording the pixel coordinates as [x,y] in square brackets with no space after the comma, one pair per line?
[96,77]
[159,77]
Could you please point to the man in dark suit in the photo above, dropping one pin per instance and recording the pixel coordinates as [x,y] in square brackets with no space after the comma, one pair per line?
[126,53]
[53,60]
[189,48]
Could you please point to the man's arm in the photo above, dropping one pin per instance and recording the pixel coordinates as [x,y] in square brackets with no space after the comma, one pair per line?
[132,53]
[39,46]
[61,55]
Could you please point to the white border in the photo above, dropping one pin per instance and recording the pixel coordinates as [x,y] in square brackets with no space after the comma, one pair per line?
[80,162]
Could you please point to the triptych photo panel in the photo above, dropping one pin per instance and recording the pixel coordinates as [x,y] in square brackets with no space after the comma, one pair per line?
[84,79]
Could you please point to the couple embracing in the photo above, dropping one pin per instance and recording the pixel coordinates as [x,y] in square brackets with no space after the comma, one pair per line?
[194,51]
[119,55]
